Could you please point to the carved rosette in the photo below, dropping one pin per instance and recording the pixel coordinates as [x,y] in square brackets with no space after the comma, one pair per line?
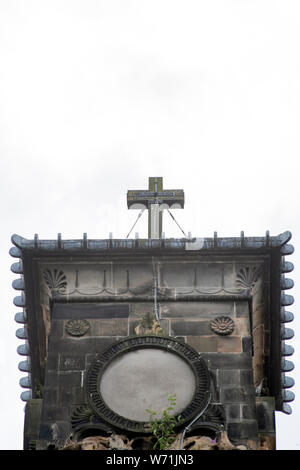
[77,327]
[222,325]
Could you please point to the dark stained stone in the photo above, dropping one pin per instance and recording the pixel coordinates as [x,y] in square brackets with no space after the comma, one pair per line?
[89,310]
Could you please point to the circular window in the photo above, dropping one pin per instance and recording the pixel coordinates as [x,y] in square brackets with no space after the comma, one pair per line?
[138,373]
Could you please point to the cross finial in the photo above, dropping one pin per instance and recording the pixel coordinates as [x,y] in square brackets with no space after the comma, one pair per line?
[155,199]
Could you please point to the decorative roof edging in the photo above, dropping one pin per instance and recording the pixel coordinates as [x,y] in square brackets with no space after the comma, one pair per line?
[86,245]
[286,333]
[20,318]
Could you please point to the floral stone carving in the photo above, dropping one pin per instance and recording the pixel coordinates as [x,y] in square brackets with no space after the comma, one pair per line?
[55,280]
[77,327]
[247,277]
[222,325]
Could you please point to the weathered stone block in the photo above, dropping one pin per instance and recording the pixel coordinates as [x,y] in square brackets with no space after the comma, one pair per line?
[246,378]
[215,390]
[66,396]
[222,360]
[32,421]
[235,395]
[139,309]
[191,309]
[248,411]
[258,315]
[71,396]
[50,396]
[202,343]
[69,379]
[258,359]
[242,327]
[228,377]
[244,430]
[52,361]
[258,373]
[190,328]
[242,308]
[57,329]
[79,395]
[233,412]
[247,344]
[109,327]
[52,433]
[45,435]
[69,362]
[51,380]
[65,311]
[229,344]
[84,345]
[55,413]
[265,407]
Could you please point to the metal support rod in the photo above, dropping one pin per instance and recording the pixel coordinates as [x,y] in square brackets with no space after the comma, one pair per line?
[176,222]
[141,212]
[155,287]
[188,427]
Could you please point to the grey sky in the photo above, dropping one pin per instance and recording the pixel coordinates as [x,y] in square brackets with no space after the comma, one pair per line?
[95,96]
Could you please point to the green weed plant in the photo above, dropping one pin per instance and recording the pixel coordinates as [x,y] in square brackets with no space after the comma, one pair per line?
[163,428]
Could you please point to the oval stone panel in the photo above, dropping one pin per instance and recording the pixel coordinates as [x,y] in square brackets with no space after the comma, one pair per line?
[144,378]
[140,372]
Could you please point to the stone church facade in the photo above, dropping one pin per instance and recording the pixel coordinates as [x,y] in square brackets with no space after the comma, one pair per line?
[218,304]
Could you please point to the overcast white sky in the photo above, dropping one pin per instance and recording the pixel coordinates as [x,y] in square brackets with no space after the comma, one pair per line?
[96,96]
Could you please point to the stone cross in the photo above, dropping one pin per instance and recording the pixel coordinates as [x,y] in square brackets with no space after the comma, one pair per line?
[155,199]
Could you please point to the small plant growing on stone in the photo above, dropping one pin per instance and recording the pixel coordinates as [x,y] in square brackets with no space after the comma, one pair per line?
[163,428]
[149,326]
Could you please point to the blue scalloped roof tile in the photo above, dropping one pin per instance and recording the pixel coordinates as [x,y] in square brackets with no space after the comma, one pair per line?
[20,301]
[287,350]
[23,349]
[25,382]
[15,252]
[21,333]
[24,366]
[20,317]
[287,395]
[286,283]
[287,250]
[25,396]
[17,267]
[287,366]
[18,284]
[286,316]
[286,333]
[287,382]
[286,299]
[286,409]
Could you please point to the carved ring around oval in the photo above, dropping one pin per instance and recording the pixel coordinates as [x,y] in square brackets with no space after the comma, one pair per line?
[103,360]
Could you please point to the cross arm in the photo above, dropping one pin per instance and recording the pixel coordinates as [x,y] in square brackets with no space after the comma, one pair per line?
[172,198]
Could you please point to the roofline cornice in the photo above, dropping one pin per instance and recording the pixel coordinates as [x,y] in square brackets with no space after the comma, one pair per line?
[194,244]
